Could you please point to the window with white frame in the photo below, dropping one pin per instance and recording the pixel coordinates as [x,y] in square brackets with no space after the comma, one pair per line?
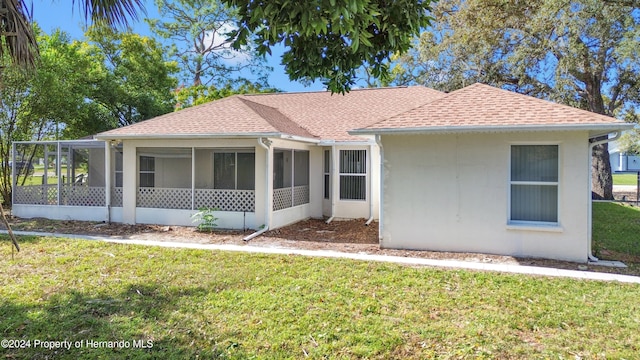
[534,183]
[147,171]
[234,170]
[353,174]
[327,174]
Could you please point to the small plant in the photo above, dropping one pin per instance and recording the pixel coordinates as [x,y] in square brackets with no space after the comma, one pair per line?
[206,219]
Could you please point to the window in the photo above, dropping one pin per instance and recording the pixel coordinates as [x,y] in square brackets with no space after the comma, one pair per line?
[353,174]
[327,174]
[147,171]
[234,170]
[534,183]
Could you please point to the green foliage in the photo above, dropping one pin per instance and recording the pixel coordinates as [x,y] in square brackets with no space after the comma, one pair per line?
[200,94]
[206,219]
[331,39]
[139,82]
[199,35]
[212,304]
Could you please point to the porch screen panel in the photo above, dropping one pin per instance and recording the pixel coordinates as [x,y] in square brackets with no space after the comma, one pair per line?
[353,174]
[147,171]
[290,178]
[534,183]
[224,170]
[246,171]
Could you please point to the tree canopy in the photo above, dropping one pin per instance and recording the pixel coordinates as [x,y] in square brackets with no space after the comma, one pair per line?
[198,34]
[331,39]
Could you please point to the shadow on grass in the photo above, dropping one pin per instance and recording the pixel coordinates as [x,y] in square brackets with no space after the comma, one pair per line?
[133,317]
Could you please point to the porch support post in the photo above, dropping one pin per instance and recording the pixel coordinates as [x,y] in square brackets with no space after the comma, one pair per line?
[14,177]
[129,183]
[107,178]
[193,178]
[59,169]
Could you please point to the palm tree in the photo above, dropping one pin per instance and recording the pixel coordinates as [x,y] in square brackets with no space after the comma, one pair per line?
[18,41]
[16,31]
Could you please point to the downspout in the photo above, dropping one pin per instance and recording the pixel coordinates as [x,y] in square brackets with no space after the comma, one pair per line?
[590,207]
[381,191]
[267,212]
[331,183]
[370,187]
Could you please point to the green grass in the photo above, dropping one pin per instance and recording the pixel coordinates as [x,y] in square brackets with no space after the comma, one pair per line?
[209,304]
[616,230]
[625,179]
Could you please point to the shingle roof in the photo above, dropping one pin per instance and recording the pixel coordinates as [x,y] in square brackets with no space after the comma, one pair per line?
[331,116]
[319,115]
[482,106]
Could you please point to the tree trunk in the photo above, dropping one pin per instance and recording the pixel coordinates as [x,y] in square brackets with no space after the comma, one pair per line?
[601,179]
[6,223]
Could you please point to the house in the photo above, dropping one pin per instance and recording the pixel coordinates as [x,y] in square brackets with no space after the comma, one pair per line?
[264,161]
[487,170]
[479,169]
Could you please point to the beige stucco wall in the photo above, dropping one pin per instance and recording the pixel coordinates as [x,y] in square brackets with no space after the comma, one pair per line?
[451,193]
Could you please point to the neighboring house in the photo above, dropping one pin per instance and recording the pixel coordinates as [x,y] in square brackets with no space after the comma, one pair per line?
[479,169]
[621,161]
[487,170]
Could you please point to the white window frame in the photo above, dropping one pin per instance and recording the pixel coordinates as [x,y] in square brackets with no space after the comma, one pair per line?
[528,223]
[365,175]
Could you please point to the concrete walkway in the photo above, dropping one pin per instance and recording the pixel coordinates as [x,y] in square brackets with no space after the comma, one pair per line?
[505,268]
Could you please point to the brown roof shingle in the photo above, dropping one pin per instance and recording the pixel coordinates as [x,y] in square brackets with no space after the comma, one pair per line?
[319,115]
[484,106]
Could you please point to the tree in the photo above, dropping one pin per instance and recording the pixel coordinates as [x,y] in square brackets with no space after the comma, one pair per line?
[331,39]
[139,82]
[581,53]
[200,34]
[195,95]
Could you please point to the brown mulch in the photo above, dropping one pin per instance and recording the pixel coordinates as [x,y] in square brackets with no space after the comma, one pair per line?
[314,234]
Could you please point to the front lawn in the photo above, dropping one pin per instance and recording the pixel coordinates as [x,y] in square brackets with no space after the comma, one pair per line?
[206,304]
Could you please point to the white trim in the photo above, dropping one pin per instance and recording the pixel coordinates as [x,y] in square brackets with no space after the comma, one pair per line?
[492,128]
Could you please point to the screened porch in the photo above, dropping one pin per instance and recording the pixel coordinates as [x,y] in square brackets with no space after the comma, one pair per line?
[67,173]
[194,178]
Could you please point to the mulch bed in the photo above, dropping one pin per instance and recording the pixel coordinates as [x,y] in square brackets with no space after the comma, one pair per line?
[338,231]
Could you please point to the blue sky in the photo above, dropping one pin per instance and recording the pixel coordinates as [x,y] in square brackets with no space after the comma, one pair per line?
[53,14]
